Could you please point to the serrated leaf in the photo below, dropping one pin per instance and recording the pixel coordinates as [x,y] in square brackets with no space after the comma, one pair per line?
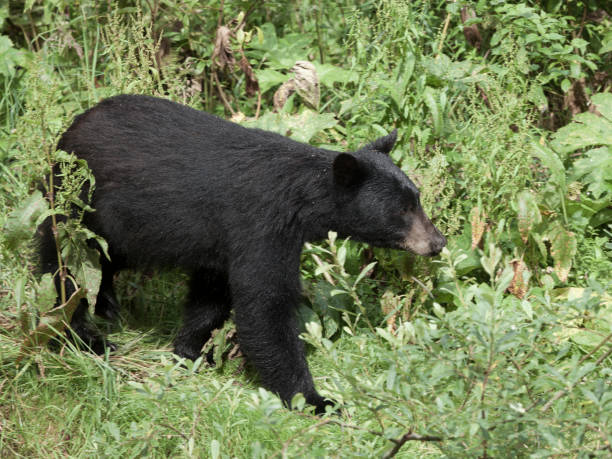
[436,113]
[528,214]
[595,169]
[563,249]
[586,129]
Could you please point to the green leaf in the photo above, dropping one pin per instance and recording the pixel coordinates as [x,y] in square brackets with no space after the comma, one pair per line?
[269,78]
[565,85]
[330,74]
[552,162]
[603,103]
[429,96]
[20,223]
[9,57]
[84,263]
[528,213]
[490,261]
[215,446]
[306,315]
[341,255]
[586,129]
[363,273]
[46,293]
[606,44]
[563,249]
[594,168]
[28,5]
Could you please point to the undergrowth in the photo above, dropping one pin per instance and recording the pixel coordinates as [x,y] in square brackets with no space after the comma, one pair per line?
[498,348]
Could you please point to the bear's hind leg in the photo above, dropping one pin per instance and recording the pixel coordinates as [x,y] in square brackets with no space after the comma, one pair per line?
[207,308]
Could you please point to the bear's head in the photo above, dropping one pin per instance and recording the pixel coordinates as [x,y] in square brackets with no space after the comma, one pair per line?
[377,203]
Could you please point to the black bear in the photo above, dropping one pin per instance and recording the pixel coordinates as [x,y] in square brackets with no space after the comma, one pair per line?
[177,187]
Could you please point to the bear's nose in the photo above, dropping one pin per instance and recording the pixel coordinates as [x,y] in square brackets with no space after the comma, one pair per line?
[437,244]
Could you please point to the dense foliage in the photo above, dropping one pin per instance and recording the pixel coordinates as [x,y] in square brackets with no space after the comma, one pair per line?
[500,347]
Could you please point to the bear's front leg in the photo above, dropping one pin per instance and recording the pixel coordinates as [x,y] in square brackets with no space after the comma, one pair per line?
[265,298]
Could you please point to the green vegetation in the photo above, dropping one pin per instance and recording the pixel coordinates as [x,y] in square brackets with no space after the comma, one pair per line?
[500,347]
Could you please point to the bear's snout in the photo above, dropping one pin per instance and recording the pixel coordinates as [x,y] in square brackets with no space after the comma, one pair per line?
[423,237]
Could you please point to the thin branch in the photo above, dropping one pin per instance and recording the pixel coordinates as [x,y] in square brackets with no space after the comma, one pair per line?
[424,287]
[258,102]
[406,438]
[220,18]
[222,94]
[168,426]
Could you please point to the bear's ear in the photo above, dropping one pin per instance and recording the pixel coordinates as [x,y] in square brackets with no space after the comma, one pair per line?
[384,144]
[347,170]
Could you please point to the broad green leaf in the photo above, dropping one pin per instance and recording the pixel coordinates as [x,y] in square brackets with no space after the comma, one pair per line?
[46,293]
[603,103]
[20,223]
[306,315]
[606,45]
[562,248]
[429,96]
[594,168]
[551,161]
[528,213]
[9,57]
[269,78]
[586,129]
[330,74]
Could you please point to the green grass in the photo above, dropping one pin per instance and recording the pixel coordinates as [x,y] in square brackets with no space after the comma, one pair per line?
[141,400]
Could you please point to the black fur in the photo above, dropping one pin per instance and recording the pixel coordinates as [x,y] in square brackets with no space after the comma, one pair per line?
[176,187]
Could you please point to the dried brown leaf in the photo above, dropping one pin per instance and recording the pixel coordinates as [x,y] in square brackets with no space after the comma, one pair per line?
[518,286]
[282,94]
[478,222]
[471,32]
[223,55]
[389,304]
[307,83]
